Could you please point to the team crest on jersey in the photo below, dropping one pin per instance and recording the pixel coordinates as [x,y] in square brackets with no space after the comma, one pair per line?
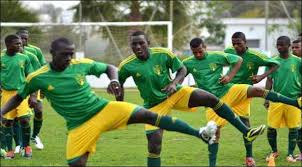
[21,64]
[138,75]
[80,79]
[213,66]
[157,69]
[250,65]
[293,67]
[50,88]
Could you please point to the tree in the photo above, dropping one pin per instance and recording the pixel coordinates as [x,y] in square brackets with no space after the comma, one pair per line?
[13,11]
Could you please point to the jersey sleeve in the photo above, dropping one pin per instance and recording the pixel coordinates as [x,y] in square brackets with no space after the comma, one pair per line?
[28,88]
[34,61]
[263,60]
[173,62]
[97,68]
[231,58]
[123,74]
[28,68]
[40,56]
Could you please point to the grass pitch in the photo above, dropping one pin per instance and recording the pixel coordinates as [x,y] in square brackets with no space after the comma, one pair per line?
[129,147]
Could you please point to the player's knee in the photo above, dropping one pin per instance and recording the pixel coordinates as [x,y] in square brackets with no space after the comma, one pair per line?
[143,116]
[202,98]
[24,121]
[8,123]
[255,92]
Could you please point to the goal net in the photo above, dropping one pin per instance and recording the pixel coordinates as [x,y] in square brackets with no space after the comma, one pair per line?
[101,41]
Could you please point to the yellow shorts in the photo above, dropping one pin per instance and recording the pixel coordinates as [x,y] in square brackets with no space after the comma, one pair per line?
[282,115]
[83,139]
[236,98]
[178,101]
[22,110]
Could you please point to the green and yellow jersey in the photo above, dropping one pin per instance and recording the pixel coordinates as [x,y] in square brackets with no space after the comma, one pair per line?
[33,60]
[151,75]
[36,51]
[68,92]
[208,70]
[14,70]
[252,60]
[287,78]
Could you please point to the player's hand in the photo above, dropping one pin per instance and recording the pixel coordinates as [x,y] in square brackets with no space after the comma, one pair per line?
[114,88]
[169,89]
[256,78]
[32,101]
[266,104]
[224,79]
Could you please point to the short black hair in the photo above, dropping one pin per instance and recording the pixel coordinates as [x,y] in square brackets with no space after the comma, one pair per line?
[55,44]
[138,32]
[297,41]
[239,35]
[196,42]
[285,39]
[22,30]
[9,38]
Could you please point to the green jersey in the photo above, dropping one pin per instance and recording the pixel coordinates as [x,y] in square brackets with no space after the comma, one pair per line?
[68,92]
[287,78]
[14,70]
[151,75]
[33,60]
[208,70]
[36,51]
[252,60]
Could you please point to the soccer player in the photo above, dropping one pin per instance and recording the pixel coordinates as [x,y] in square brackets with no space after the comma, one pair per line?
[149,68]
[297,51]
[87,116]
[206,68]
[297,48]
[286,81]
[247,74]
[14,68]
[38,117]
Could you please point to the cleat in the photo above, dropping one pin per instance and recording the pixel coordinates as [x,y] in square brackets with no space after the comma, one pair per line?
[273,155]
[253,133]
[38,143]
[299,157]
[291,159]
[3,153]
[26,152]
[250,162]
[207,133]
[17,149]
[10,155]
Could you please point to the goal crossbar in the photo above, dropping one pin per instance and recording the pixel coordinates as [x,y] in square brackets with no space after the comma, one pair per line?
[139,23]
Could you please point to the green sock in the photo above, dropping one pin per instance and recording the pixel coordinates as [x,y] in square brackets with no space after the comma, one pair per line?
[292,140]
[16,132]
[174,124]
[3,140]
[276,97]
[8,131]
[272,138]
[25,134]
[213,150]
[153,160]
[37,126]
[248,147]
[299,140]
[225,112]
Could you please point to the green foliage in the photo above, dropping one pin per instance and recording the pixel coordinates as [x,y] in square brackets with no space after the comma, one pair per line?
[129,147]
[13,11]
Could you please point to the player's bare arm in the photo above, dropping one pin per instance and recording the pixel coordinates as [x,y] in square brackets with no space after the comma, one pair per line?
[180,75]
[227,78]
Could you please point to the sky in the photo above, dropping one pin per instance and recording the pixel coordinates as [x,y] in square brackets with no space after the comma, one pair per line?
[63,4]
